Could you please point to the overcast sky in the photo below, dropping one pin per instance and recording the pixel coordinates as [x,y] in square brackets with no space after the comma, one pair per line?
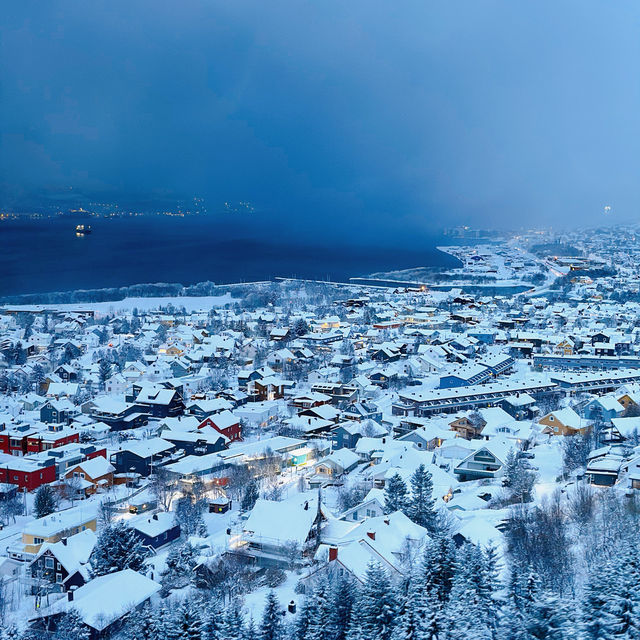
[322,113]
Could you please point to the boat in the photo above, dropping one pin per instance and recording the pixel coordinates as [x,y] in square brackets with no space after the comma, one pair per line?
[83,229]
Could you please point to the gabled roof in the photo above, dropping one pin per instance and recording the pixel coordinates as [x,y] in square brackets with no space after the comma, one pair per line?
[73,554]
[105,599]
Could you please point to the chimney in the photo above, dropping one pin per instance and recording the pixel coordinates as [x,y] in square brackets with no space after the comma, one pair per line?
[387,521]
[155,516]
[333,553]
[70,595]
[292,607]
[306,506]
[372,534]
[64,541]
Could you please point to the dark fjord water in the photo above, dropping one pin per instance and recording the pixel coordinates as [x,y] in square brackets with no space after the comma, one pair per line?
[45,255]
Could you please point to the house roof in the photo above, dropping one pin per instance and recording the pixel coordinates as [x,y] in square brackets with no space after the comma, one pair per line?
[155,525]
[265,523]
[103,600]
[94,467]
[73,554]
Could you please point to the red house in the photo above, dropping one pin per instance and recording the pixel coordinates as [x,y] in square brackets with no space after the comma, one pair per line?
[52,438]
[27,474]
[225,423]
[14,440]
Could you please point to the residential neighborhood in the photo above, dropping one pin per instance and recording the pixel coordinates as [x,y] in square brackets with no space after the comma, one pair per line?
[292,434]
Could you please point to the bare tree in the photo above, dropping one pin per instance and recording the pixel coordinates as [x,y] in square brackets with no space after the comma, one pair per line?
[163,487]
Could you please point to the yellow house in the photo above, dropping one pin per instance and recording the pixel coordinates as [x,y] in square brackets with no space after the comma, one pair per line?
[466,429]
[629,400]
[56,526]
[563,422]
[564,348]
[330,322]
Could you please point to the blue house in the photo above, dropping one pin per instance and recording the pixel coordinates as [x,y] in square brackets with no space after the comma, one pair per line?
[485,336]
[57,411]
[141,456]
[603,409]
[346,435]
[497,363]
[466,376]
[157,530]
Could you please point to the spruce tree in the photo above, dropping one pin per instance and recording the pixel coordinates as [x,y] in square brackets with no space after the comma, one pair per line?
[395,494]
[307,612]
[45,501]
[214,623]
[271,627]
[344,593]
[378,604]
[250,496]
[71,627]
[187,621]
[548,618]
[319,622]
[144,625]
[118,547]
[465,614]
[421,504]
[233,627]
[250,631]
[412,624]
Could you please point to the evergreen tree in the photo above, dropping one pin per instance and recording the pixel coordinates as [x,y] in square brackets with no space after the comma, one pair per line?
[412,623]
[421,505]
[271,627]
[250,496]
[45,501]
[438,566]
[71,627]
[180,563]
[395,494]
[118,547]
[307,612]
[186,622]
[104,371]
[233,627]
[466,611]
[517,479]
[343,596]
[548,618]
[144,625]
[37,376]
[213,623]
[378,604]
[250,631]
[318,625]
[595,620]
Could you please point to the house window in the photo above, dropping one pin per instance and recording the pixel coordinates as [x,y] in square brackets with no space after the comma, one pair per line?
[38,540]
[59,578]
[48,563]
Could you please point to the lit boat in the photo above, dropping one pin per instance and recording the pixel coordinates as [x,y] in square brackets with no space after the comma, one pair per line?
[83,230]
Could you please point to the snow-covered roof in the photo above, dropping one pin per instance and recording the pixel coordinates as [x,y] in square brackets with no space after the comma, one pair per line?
[103,600]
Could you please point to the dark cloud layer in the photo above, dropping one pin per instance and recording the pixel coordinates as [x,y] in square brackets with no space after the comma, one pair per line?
[379,116]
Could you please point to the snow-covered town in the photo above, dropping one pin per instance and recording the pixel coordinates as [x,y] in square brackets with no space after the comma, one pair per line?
[313,460]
